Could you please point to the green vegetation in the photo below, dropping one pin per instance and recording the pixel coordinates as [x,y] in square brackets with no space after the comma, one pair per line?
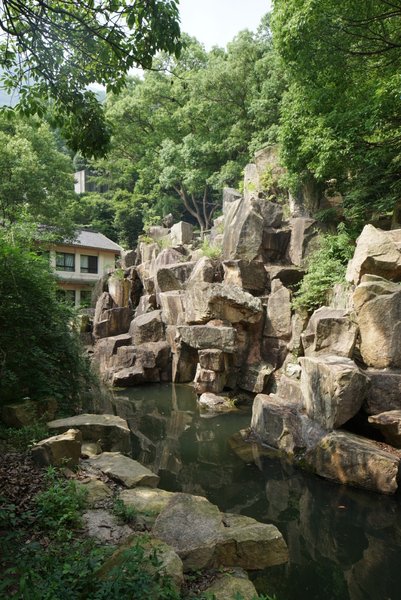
[51,53]
[184,131]
[22,439]
[40,353]
[326,267]
[210,250]
[341,114]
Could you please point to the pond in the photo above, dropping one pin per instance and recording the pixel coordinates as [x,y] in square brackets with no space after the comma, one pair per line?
[345,544]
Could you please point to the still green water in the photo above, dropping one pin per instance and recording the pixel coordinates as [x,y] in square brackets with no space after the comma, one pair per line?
[344,544]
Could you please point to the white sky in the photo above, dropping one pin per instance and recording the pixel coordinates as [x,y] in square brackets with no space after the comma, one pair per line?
[216,22]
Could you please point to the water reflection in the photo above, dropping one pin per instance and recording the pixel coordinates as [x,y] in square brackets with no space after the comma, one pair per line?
[344,544]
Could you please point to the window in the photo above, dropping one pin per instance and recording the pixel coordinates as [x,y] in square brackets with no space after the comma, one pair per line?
[88,264]
[65,262]
[86,298]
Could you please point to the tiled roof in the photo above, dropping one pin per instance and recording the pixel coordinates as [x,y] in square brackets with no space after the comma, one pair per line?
[93,239]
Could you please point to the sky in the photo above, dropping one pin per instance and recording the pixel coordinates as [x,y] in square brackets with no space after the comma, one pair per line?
[216,22]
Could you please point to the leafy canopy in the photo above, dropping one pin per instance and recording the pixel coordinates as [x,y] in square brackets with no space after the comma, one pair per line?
[53,50]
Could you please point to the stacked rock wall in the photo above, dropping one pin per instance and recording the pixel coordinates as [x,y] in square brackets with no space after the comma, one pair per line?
[228,324]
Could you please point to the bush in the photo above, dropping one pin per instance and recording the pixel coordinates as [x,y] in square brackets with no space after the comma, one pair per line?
[40,353]
[326,267]
[210,251]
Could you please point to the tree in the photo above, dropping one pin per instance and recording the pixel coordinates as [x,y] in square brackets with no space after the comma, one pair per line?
[186,130]
[52,50]
[36,179]
[341,117]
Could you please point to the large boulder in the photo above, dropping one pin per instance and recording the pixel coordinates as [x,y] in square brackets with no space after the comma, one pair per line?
[275,244]
[229,585]
[168,562]
[353,460]
[181,233]
[333,389]
[203,537]
[302,232]
[105,349]
[110,431]
[147,328]
[191,525]
[278,313]
[389,423]
[255,377]
[250,276]
[113,322]
[173,277]
[378,307]
[146,501]
[243,229]
[249,544]
[105,527]
[384,392]
[221,301]
[279,423]
[203,337]
[377,252]
[60,450]
[330,331]
[125,470]
[119,290]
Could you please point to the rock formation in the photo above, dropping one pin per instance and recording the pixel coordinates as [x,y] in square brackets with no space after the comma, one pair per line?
[228,324]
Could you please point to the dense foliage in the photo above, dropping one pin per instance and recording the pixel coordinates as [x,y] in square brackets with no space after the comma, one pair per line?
[341,115]
[51,51]
[183,132]
[40,354]
[36,176]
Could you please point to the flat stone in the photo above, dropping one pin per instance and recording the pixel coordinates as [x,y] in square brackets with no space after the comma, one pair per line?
[353,460]
[215,403]
[110,431]
[333,389]
[104,527]
[127,471]
[203,337]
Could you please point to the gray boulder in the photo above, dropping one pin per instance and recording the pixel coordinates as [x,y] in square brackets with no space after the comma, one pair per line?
[377,252]
[147,328]
[250,276]
[330,331]
[378,307]
[278,313]
[203,337]
[384,393]
[181,233]
[333,389]
[243,229]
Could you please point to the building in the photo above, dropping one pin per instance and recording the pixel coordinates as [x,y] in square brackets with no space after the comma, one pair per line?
[79,264]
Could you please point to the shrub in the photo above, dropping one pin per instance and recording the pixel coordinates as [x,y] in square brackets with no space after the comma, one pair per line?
[40,353]
[210,250]
[326,267]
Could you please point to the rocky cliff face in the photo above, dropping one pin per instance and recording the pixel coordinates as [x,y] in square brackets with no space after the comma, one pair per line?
[173,314]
